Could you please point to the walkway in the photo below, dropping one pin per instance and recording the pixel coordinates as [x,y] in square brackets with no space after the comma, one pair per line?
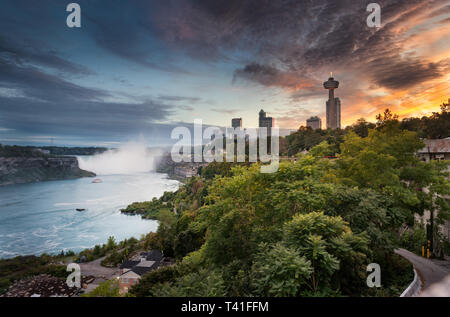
[435,278]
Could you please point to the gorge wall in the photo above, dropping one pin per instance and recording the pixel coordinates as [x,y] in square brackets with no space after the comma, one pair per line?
[18,170]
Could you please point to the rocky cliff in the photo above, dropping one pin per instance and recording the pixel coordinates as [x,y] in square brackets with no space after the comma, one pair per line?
[18,170]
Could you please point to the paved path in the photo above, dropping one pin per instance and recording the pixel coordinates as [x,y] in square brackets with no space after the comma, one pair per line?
[435,278]
[101,273]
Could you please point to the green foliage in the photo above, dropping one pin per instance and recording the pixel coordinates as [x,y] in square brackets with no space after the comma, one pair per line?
[32,151]
[146,285]
[279,271]
[414,238]
[19,151]
[436,126]
[148,209]
[306,138]
[216,169]
[111,244]
[310,229]
[109,288]
[366,210]
[376,161]
[397,274]
[323,149]
[203,283]
[111,250]
[325,241]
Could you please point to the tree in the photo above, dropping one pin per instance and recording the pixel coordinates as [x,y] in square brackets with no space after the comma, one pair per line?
[109,288]
[203,283]
[387,117]
[361,127]
[279,271]
[111,244]
[325,241]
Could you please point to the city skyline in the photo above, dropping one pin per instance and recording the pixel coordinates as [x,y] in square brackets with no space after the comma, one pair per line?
[141,69]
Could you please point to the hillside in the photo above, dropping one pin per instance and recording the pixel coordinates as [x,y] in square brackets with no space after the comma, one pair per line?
[35,167]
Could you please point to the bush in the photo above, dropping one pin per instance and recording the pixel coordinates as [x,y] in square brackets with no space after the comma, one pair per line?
[108,288]
[413,239]
[279,271]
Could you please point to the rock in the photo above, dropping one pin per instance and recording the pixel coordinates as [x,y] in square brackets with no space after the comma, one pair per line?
[43,285]
[18,170]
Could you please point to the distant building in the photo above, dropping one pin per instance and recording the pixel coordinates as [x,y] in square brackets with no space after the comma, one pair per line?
[438,149]
[132,271]
[186,171]
[314,123]
[236,123]
[266,122]
[333,104]
[46,152]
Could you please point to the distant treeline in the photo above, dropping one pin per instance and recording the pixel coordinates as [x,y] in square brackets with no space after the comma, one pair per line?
[33,151]
[56,150]
[436,126]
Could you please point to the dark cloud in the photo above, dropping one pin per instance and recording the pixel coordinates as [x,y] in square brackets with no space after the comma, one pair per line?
[68,117]
[32,53]
[124,31]
[36,102]
[299,37]
[289,44]
[36,84]
[400,73]
[271,76]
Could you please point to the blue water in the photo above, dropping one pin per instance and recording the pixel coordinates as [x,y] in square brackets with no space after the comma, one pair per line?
[41,217]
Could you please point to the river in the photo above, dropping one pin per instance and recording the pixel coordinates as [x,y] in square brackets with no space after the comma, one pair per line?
[42,217]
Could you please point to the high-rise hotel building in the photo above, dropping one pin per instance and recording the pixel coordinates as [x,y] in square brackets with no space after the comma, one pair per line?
[314,123]
[266,122]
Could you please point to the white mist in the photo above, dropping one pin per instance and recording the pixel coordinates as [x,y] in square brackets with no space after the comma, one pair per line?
[130,158]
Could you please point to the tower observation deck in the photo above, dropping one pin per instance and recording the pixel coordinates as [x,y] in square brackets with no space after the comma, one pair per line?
[333,104]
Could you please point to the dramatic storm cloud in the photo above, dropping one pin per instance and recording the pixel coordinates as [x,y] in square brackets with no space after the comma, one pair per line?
[142,67]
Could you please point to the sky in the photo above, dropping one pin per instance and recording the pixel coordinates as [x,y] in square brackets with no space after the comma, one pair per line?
[137,69]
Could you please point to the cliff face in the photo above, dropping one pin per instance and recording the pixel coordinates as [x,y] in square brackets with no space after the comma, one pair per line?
[18,170]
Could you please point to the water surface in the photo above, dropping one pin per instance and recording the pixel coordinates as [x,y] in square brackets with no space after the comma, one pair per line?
[42,217]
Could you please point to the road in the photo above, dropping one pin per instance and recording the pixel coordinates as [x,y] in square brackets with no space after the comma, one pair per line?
[434,275]
[101,273]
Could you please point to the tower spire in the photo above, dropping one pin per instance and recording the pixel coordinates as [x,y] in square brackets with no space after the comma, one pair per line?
[333,110]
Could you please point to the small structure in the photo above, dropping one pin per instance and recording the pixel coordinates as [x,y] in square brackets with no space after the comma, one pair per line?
[186,171]
[437,149]
[132,271]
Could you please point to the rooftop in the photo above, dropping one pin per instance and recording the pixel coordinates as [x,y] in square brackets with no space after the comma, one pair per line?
[128,264]
[436,146]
